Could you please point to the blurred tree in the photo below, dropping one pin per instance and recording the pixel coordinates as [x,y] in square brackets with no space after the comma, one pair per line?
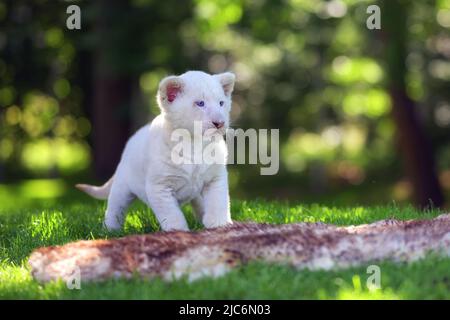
[310,68]
[416,150]
[126,36]
[112,87]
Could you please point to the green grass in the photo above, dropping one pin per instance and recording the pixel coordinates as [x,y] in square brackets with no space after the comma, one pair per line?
[43,213]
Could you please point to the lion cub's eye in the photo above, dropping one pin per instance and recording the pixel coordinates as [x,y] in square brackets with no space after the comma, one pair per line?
[200,103]
[221,103]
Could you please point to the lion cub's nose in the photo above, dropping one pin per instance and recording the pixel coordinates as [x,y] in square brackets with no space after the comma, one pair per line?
[218,125]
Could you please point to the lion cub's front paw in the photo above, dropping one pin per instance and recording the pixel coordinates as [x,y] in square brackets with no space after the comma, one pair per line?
[112,226]
[214,222]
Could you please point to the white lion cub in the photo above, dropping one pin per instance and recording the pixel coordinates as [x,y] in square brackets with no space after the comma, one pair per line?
[146,169]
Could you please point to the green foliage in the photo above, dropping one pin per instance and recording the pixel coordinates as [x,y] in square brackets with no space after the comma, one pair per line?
[310,68]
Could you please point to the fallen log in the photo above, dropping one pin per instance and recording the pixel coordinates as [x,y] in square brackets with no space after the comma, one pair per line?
[213,252]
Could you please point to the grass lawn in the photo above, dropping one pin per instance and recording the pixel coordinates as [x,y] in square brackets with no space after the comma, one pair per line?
[42,213]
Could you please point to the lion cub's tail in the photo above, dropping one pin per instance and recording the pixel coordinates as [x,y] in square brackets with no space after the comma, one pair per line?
[97,192]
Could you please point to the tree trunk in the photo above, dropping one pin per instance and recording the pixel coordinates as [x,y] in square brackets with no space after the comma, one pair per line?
[415,148]
[111,96]
[110,123]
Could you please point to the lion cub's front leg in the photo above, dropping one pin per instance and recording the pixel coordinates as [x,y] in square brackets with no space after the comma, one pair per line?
[216,202]
[166,208]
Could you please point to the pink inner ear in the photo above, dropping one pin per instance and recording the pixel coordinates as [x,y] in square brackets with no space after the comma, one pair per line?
[172,91]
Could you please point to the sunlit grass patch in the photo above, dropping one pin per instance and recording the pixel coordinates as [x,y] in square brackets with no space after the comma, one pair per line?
[37,222]
[16,282]
[49,226]
[42,188]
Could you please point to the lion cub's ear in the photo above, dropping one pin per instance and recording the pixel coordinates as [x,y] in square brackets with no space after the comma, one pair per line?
[170,88]
[227,80]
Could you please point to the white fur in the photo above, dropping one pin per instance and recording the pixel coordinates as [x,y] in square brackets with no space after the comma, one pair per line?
[147,172]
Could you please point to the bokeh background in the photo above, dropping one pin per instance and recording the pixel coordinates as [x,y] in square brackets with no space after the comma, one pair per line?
[364,115]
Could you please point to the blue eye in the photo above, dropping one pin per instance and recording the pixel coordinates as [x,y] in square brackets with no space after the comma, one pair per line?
[200,103]
[221,103]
